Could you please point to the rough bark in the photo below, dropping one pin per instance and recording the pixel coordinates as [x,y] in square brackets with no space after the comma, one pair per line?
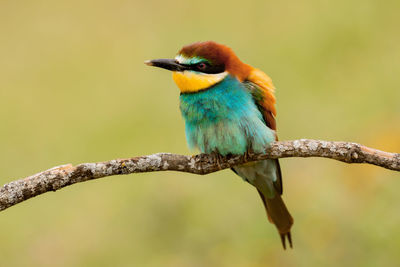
[62,176]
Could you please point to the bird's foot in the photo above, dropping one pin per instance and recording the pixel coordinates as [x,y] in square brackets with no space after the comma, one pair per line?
[246,155]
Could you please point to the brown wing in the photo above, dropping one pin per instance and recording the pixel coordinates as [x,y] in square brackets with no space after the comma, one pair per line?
[262,89]
[263,93]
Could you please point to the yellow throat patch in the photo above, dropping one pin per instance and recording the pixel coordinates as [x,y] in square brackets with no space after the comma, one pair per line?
[190,82]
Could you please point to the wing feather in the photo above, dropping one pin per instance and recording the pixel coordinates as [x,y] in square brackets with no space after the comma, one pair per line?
[262,89]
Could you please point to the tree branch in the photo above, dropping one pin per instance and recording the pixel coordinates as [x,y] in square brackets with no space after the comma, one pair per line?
[62,176]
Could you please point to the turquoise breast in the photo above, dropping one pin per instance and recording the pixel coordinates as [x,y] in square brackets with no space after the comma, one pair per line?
[224,119]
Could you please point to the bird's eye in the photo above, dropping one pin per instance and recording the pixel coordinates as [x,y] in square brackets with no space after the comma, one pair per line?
[201,66]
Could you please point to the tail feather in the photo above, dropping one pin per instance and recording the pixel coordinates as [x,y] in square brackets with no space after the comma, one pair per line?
[289,238]
[266,176]
[279,215]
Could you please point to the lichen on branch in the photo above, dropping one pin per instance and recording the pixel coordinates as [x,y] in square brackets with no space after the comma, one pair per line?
[64,175]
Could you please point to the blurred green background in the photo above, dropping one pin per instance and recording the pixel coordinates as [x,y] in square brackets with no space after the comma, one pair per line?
[73,88]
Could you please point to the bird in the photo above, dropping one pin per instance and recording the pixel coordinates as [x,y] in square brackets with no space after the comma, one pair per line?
[229,109]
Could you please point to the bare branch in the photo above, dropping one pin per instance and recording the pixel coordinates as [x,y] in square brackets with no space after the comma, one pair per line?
[62,176]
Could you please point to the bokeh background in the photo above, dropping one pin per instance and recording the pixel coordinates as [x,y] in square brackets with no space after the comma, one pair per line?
[73,88]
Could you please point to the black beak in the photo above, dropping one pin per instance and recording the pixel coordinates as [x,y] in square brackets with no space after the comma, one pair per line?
[169,64]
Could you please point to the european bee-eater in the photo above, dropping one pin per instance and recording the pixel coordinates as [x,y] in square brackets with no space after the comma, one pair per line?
[229,108]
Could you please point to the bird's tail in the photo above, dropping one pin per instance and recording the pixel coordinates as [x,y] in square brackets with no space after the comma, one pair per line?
[279,215]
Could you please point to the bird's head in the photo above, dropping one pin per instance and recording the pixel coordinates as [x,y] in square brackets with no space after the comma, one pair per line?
[201,65]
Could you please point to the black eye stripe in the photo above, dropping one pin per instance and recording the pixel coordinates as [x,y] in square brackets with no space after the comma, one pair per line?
[209,69]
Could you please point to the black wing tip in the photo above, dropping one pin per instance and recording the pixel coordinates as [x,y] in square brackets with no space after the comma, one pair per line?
[283,239]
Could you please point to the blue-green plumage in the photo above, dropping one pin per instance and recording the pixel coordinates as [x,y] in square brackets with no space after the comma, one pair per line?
[231,116]
[224,119]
